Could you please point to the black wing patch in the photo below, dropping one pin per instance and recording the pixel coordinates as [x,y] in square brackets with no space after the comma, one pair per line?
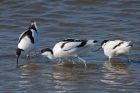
[29,34]
[117,45]
[69,40]
[73,40]
[33,27]
[63,45]
[83,43]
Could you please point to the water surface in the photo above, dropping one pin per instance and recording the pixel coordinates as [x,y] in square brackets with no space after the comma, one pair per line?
[60,19]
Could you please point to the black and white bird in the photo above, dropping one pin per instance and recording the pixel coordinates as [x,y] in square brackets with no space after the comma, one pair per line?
[116,48]
[28,41]
[69,48]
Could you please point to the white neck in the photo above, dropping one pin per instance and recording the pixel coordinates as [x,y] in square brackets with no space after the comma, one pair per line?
[48,54]
[51,56]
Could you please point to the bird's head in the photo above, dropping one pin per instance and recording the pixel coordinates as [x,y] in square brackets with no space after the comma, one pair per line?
[47,52]
[103,43]
[33,25]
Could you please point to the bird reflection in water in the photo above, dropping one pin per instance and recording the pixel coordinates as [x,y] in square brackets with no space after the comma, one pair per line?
[117,73]
[69,76]
[117,66]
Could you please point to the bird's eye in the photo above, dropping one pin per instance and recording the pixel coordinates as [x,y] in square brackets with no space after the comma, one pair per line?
[95,41]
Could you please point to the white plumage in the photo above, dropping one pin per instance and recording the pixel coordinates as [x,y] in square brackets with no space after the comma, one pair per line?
[68,48]
[116,48]
[28,40]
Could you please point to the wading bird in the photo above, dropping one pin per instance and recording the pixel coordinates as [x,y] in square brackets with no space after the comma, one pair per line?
[116,48]
[28,41]
[69,48]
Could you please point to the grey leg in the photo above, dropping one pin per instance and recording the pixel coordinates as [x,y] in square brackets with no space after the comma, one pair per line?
[126,56]
[82,61]
[60,61]
[109,59]
[72,60]
[28,58]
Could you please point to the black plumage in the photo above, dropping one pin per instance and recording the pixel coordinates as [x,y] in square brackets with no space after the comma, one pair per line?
[29,34]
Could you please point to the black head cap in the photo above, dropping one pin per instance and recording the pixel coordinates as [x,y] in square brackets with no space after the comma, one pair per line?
[104,42]
[47,49]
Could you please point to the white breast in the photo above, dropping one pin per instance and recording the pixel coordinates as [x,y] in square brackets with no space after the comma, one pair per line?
[25,44]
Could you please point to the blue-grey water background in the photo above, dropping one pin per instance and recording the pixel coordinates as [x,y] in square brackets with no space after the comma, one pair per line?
[60,19]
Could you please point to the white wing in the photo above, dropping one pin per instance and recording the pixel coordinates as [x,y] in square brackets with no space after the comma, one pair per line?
[21,35]
[69,45]
[113,44]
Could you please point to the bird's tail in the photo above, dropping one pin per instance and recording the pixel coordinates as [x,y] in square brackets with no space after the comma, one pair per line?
[33,22]
[33,25]
[129,43]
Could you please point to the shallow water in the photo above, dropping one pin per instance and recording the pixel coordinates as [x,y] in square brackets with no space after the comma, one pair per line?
[60,19]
